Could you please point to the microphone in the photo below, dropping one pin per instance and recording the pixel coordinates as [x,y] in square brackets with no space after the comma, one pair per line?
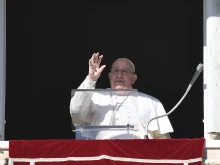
[195,76]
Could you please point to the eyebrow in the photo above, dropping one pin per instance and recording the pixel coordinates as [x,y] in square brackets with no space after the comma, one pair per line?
[122,69]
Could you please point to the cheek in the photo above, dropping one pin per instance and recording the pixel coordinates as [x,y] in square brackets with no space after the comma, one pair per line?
[111,78]
[129,80]
[132,80]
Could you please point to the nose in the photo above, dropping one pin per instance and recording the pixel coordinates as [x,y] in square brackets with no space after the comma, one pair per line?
[120,73]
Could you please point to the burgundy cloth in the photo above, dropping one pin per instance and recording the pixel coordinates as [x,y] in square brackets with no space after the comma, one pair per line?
[180,149]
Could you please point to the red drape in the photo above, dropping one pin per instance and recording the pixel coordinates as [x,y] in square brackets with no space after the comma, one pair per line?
[120,152]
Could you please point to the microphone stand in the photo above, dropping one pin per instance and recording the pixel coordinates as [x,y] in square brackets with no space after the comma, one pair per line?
[198,71]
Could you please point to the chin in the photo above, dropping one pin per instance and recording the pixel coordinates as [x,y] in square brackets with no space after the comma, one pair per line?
[120,87]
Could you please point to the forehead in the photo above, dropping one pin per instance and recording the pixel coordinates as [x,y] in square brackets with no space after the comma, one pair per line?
[122,63]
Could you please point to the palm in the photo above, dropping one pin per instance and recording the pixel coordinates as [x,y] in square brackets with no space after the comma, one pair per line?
[94,66]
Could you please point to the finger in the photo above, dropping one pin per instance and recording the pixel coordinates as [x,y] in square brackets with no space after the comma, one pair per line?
[97,57]
[90,62]
[100,59]
[93,58]
[101,68]
[93,55]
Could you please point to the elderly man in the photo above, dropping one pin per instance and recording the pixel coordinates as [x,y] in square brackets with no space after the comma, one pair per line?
[133,108]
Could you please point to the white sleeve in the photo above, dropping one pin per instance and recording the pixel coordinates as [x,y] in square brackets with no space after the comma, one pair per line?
[81,104]
[163,124]
[87,84]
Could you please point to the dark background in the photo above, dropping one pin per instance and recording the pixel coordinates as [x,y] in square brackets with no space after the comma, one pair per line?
[49,45]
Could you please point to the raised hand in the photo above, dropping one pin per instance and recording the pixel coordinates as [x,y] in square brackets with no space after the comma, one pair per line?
[94,66]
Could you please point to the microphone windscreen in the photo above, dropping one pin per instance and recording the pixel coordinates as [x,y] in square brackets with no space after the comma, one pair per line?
[200,67]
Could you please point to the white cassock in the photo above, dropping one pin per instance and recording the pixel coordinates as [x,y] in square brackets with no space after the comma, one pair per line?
[135,109]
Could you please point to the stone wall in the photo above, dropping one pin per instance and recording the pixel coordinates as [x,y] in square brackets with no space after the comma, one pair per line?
[212,152]
[4,145]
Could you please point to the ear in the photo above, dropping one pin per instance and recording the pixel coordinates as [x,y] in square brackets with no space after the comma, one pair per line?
[109,75]
[134,78]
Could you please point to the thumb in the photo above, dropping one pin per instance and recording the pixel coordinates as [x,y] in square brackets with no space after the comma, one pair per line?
[102,68]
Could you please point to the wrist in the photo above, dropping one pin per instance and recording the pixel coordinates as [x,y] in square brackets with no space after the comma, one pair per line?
[89,78]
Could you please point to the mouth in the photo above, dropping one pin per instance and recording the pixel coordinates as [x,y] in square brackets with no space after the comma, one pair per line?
[119,82]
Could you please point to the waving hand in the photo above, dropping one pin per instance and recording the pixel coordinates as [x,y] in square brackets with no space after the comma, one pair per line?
[94,66]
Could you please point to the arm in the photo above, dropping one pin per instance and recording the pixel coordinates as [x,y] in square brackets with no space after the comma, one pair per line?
[159,128]
[81,102]
[164,124]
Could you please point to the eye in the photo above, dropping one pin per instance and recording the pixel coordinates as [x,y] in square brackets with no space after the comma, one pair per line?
[115,71]
[125,72]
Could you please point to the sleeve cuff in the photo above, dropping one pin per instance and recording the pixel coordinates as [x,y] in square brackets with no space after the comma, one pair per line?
[89,83]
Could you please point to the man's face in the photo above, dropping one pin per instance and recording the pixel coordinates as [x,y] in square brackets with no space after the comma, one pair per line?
[121,75]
